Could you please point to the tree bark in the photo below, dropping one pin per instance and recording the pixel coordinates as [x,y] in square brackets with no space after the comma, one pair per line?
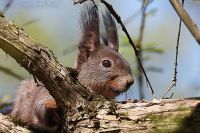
[185,17]
[61,82]
[40,62]
[162,116]
[7,126]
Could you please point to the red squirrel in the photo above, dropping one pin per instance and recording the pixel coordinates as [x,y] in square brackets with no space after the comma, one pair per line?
[101,70]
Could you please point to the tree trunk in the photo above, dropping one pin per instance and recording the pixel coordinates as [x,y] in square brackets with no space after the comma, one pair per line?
[162,116]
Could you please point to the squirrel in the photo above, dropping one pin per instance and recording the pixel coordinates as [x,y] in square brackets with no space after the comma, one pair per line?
[101,69]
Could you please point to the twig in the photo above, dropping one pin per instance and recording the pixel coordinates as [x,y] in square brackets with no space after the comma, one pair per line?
[139,46]
[79,1]
[171,96]
[192,27]
[168,89]
[7,6]
[174,80]
[117,17]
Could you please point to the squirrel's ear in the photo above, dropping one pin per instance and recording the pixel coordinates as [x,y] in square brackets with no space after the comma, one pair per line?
[90,40]
[110,37]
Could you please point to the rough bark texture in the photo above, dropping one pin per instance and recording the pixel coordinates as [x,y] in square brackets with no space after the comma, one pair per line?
[7,126]
[145,117]
[180,116]
[61,82]
[42,64]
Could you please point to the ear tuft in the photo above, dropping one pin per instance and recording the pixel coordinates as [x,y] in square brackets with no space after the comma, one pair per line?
[90,40]
[110,37]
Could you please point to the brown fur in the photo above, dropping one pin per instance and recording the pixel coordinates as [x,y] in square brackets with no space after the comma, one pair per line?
[35,106]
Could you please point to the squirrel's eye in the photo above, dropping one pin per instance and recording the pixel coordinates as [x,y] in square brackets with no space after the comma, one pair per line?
[106,63]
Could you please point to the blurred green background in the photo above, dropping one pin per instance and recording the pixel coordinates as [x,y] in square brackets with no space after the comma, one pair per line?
[55,24]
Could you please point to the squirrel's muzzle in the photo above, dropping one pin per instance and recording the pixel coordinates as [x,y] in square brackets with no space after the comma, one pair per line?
[129,82]
[122,84]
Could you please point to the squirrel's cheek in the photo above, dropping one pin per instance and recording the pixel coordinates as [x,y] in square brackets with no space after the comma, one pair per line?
[115,85]
[107,92]
[110,94]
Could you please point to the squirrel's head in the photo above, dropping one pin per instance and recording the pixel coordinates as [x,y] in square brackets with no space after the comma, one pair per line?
[101,68]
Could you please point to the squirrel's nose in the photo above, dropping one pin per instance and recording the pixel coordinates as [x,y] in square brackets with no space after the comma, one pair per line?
[129,82]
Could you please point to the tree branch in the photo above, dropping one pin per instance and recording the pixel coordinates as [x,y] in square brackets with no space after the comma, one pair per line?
[174,80]
[40,61]
[174,116]
[192,27]
[7,126]
[139,46]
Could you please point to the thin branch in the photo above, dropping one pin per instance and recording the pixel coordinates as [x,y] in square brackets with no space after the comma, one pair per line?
[174,80]
[79,1]
[139,46]
[117,17]
[7,6]
[192,27]
[168,89]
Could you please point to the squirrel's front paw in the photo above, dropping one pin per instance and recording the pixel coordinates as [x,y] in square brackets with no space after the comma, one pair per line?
[51,104]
